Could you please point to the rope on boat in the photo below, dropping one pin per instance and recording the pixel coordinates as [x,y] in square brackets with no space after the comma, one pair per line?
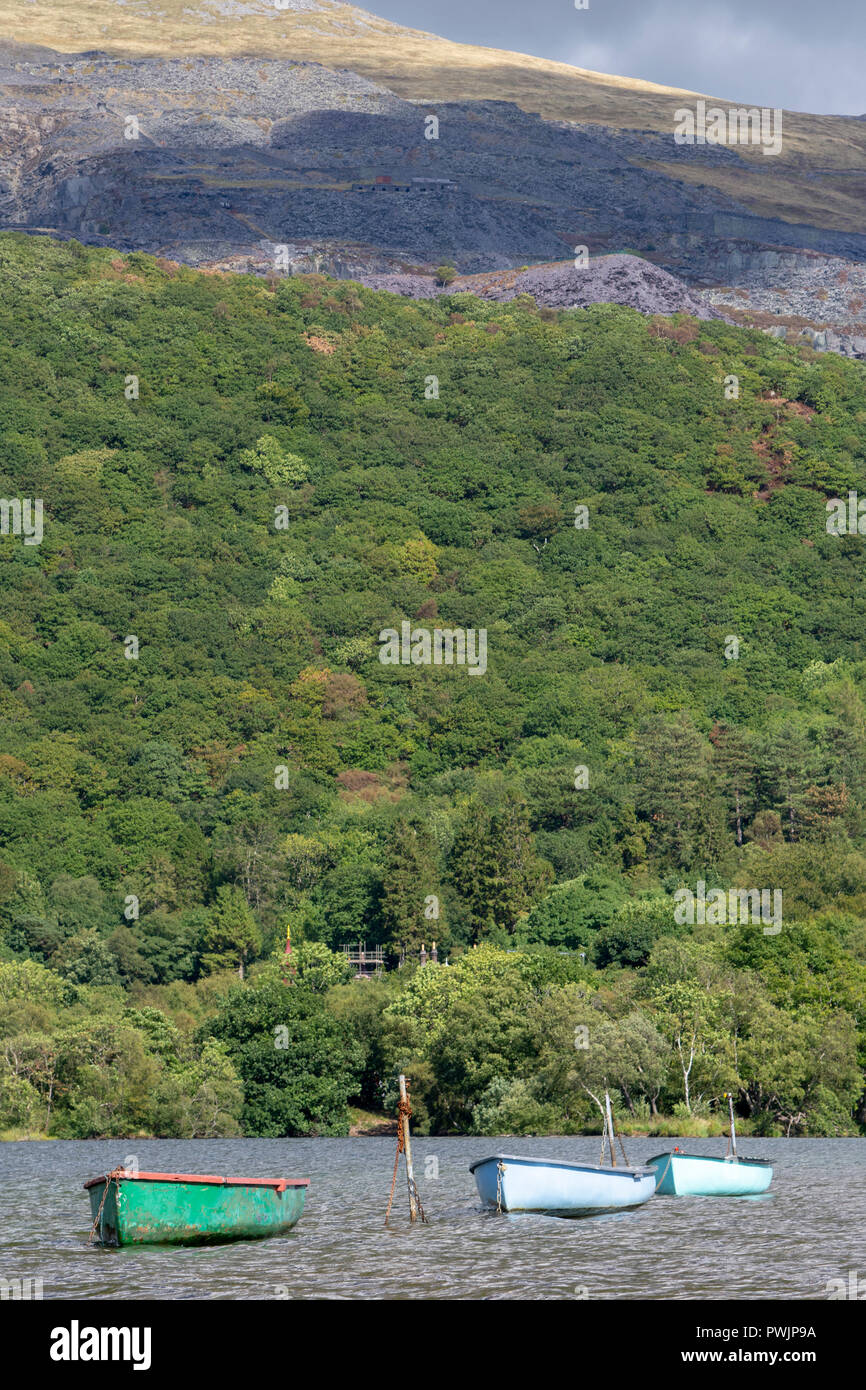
[397,1155]
[404,1110]
[109,1177]
[500,1169]
[660,1180]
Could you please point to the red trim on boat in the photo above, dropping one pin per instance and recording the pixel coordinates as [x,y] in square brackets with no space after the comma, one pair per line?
[280,1184]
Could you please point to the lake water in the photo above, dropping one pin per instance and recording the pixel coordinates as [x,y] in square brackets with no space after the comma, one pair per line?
[787,1244]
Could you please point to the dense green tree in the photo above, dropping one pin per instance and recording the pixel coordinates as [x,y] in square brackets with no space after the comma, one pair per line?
[298,1065]
[571,913]
[493,869]
[734,771]
[410,907]
[231,937]
[671,773]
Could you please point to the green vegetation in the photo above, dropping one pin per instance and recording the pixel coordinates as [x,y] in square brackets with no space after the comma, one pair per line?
[250,479]
[446,274]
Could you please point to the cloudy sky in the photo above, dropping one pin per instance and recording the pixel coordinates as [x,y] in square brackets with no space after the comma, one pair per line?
[806,55]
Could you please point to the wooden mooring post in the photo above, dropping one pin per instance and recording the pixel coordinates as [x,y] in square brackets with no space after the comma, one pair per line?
[609,1119]
[732,1137]
[407,1145]
[404,1145]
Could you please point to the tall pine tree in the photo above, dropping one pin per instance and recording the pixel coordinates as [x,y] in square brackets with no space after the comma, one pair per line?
[494,870]
[411,901]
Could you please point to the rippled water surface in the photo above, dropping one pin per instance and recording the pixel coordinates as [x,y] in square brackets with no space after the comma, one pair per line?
[787,1244]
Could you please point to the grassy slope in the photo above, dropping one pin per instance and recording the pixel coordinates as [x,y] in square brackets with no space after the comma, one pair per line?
[424,67]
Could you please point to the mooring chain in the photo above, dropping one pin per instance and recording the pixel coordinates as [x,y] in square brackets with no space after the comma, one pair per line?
[419,1203]
[113,1175]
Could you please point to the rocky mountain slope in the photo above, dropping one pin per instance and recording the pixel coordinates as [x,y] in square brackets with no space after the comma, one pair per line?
[821,297]
[199,158]
[181,137]
[819,178]
[627,280]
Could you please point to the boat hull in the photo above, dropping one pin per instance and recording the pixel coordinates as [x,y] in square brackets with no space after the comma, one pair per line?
[696,1175]
[192,1209]
[558,1188]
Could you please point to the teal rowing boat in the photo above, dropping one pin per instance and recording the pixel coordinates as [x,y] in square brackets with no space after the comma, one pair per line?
[680,1174]
[132,1208]
[697,1175]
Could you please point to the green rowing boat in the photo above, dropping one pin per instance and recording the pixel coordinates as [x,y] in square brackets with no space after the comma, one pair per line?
[132,1208]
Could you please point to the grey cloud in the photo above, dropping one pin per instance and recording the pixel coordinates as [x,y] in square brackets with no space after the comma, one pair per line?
[799,54]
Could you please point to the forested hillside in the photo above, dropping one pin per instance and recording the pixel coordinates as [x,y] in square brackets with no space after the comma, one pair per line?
[244,483]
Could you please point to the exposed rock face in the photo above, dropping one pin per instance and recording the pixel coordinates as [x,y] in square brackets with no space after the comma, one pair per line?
[620,279]
[96,147]
[797,284]
[626,280]
[198,157]
[819,299]
[847,344]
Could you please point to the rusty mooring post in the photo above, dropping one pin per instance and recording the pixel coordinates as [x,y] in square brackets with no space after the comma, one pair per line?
[404,1145]
[407,1146]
